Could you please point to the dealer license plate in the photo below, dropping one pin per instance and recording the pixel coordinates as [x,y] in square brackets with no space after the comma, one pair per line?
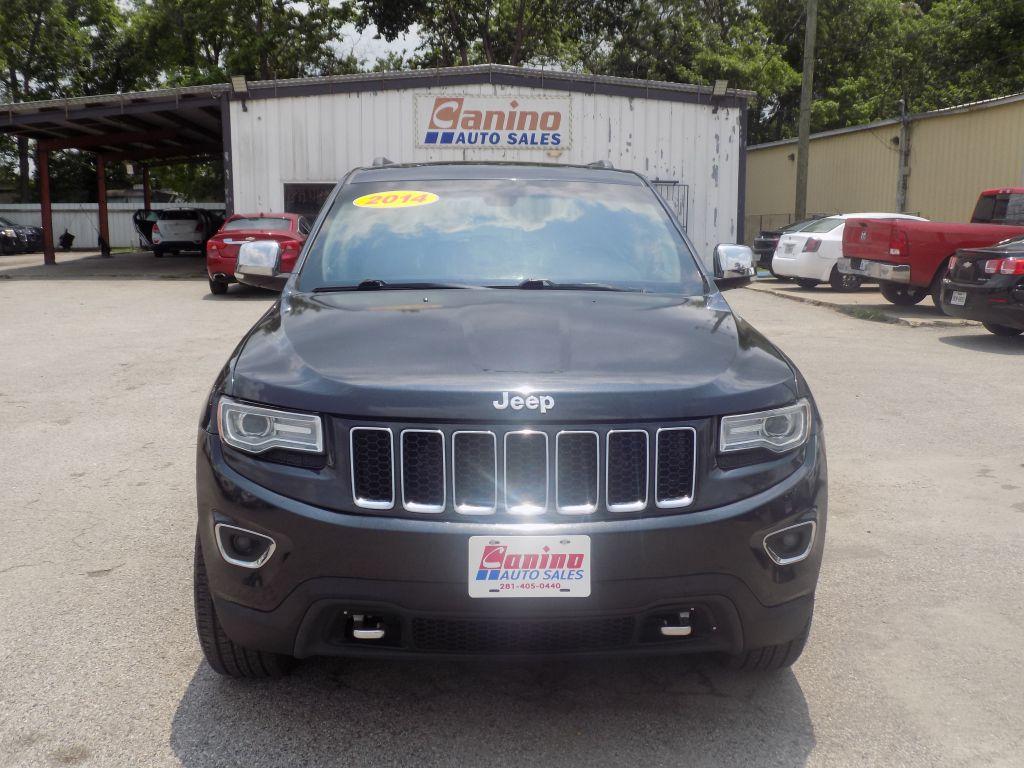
[529,566]
[958,299]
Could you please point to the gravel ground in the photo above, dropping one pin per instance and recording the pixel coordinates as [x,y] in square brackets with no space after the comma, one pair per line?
[914,658]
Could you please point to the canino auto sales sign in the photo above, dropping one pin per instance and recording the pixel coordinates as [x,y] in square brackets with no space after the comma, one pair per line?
[486,122]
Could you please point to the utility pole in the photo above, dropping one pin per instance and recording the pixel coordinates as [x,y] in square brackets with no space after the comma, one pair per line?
[804,140]
[903,179]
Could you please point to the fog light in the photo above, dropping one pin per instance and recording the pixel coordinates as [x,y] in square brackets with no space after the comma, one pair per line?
[243,548]
[791,544]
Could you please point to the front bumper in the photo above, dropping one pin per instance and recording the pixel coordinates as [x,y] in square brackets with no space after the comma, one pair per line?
[1000,301]
[412,573]
[875,270]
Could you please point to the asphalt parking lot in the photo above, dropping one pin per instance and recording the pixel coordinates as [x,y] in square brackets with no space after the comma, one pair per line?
[914,658]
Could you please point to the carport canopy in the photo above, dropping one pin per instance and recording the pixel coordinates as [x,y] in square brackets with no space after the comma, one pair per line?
[149,127]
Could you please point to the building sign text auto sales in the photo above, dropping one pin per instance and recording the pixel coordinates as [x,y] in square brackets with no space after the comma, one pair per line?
[488,122]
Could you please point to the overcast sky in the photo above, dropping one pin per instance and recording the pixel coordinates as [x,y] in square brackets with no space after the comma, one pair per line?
[368,49]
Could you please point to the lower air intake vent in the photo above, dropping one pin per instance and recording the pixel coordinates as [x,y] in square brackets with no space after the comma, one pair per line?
[373,479]
[526,636]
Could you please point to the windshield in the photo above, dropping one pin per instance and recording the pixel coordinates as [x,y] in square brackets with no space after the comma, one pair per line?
[260,222]
[500,232]
[800,225]
[6,223]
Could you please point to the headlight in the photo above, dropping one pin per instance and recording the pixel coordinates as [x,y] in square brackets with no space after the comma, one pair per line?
[253,429]
[778,430]
[7,232]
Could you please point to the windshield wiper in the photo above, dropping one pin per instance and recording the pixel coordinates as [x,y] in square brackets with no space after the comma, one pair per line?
[540,284]
[384,285]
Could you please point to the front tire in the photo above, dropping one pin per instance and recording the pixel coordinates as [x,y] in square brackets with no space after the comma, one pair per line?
[1002,330]
[225,656]
[805,283]
[770,658]
[903,295]
[842,282]
[218,287]
[158,252]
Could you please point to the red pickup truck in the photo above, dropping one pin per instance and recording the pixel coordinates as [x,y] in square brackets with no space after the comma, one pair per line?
[908,258]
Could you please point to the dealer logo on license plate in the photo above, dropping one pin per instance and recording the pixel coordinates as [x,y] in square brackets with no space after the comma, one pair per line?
[529,566]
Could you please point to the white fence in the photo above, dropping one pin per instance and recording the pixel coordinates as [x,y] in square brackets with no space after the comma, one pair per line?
[80,219]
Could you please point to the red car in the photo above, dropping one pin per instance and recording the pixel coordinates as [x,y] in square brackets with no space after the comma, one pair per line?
[289,229]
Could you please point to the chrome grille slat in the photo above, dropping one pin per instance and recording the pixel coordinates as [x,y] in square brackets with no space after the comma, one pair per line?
[675,467]
[626,459]
[478,472]
[372,466]
[576,491]
[526,472]
[422,459]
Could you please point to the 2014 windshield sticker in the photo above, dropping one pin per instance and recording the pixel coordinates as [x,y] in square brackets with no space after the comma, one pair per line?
[396,198]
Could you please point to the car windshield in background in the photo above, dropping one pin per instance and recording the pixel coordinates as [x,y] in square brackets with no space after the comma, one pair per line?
[800,225]
[178,215]
[822,225]
[501,232]
[260,222]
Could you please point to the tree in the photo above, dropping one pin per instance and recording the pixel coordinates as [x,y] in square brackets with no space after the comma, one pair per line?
[47,49]
[462,32]
[203,41]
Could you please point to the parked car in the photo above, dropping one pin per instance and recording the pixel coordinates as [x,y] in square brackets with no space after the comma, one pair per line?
[810,254]
[19,238]
[289,230]
[768,239]
[909,258]
[182,229]
[987,284]
[504,409]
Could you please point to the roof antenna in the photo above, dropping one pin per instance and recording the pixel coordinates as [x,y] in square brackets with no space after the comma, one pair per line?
[380,162]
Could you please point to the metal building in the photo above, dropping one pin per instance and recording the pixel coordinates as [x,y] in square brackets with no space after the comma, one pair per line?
[284,143]
[952,155]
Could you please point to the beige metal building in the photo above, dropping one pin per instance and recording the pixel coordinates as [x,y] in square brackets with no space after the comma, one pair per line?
[954,154]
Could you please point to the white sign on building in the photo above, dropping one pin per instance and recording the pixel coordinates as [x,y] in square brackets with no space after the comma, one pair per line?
[483,122]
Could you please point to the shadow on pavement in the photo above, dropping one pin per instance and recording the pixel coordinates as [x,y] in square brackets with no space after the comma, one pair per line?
[996,345]
[76,265]
[659,711]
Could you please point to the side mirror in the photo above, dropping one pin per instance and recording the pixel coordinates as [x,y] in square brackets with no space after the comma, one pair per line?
[258,263]
[734,266]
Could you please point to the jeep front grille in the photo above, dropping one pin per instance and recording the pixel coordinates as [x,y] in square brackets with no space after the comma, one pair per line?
[523,472]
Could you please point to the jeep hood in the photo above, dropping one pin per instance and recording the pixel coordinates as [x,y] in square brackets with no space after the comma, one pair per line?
[448,354]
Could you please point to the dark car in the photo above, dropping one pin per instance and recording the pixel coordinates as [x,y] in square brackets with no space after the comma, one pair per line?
[19,238]
[767,241]
[987,284]
[503,409]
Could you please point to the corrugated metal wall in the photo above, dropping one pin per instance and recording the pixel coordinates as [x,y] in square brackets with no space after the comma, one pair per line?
[954,155]
[80,219]
[320,138]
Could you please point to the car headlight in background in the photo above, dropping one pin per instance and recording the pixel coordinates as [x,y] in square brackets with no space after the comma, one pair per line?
[7,232]
[778,430]
[253,429]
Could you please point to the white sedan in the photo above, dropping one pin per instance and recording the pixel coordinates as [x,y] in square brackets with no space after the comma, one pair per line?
[810,255]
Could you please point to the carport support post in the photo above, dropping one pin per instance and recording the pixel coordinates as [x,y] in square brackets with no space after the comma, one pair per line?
[147,196]
[101,199]
[45,209]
